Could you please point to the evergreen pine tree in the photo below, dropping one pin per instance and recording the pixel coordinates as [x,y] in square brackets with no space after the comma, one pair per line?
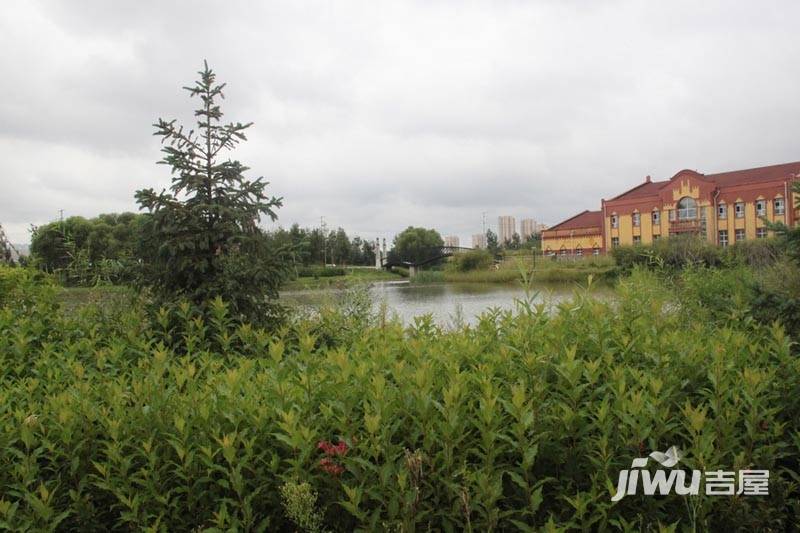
[202,239]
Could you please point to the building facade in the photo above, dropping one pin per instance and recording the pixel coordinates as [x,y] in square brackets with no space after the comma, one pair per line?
[723,208]
[479,240]
[506,228]
[451,240]
[577,236]
[527,227]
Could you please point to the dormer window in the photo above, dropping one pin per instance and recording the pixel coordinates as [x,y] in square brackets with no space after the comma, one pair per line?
[761,208]
[614,221]
[637,219]
[738,208]
[779,206]
[722,211]
[656,217]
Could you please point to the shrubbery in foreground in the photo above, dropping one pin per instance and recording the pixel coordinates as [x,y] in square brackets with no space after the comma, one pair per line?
[111,420]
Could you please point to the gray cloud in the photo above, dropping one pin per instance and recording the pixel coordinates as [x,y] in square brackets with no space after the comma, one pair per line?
[378,115]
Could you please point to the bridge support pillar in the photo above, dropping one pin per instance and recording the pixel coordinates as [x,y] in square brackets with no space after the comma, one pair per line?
[380,254]
[412,271]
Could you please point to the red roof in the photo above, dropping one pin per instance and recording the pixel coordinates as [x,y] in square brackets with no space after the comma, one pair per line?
[723,179]
[584,219]
[754,175]
[648,188]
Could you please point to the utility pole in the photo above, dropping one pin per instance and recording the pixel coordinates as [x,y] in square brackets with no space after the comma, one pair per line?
[484,222]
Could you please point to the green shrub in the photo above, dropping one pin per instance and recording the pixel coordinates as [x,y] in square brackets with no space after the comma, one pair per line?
[777,296]
[320,272]
[428,276]
[402,271]
[710,293]
[759,253]
[22,286]
[675,252]
[471,260]
[520,422]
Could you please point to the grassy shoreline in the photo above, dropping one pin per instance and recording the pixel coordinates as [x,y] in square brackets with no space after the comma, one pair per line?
[352,276]
[511,270]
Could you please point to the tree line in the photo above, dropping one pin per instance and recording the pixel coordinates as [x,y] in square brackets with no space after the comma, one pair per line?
[200,238]
[316,246]
[62,245]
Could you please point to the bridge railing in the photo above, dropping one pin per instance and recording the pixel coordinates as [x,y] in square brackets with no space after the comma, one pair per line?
[429,255]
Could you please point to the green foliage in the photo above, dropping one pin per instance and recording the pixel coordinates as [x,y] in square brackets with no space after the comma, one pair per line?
[415,244]
[492,244]
[320,272]
[89,251]
[316,247]
[759,253]
[714,294]
[521,422]
[299,501]
[777,295]
[674,252]
[471,260]
[429,276]
[202,240]
[22,286]
[791,236]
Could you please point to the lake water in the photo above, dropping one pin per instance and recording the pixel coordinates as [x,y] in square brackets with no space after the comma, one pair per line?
[445,301]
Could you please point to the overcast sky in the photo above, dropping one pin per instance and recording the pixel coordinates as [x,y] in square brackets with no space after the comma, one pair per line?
[379,115]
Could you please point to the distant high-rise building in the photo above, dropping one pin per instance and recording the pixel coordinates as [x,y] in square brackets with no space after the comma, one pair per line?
[451,240]
[479,240]
[506,228]
[541,227]
[528,227]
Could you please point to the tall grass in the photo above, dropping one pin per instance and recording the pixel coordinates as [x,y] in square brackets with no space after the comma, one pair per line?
[122,420]
[543,270]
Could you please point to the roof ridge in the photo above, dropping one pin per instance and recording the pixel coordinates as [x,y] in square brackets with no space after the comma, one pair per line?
[635,187]
[573,217]
[754,168]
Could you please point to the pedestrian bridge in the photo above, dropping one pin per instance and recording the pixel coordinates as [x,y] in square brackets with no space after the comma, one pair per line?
[425,256]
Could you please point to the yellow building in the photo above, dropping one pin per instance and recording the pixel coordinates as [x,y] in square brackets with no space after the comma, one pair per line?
[724,208]
[579,235]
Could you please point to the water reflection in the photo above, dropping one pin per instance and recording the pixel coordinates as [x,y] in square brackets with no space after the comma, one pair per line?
[448,302]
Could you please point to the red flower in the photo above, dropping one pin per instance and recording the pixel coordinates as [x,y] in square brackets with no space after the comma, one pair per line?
[332,450]
[330,467]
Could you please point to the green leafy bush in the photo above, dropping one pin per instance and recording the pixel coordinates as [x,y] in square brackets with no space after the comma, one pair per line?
[674,252]
[759,253]
[320,272]
[521,422]
[777,296]
[22,286]
[471,260]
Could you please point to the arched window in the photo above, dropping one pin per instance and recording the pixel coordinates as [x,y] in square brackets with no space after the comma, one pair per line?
[687,209]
